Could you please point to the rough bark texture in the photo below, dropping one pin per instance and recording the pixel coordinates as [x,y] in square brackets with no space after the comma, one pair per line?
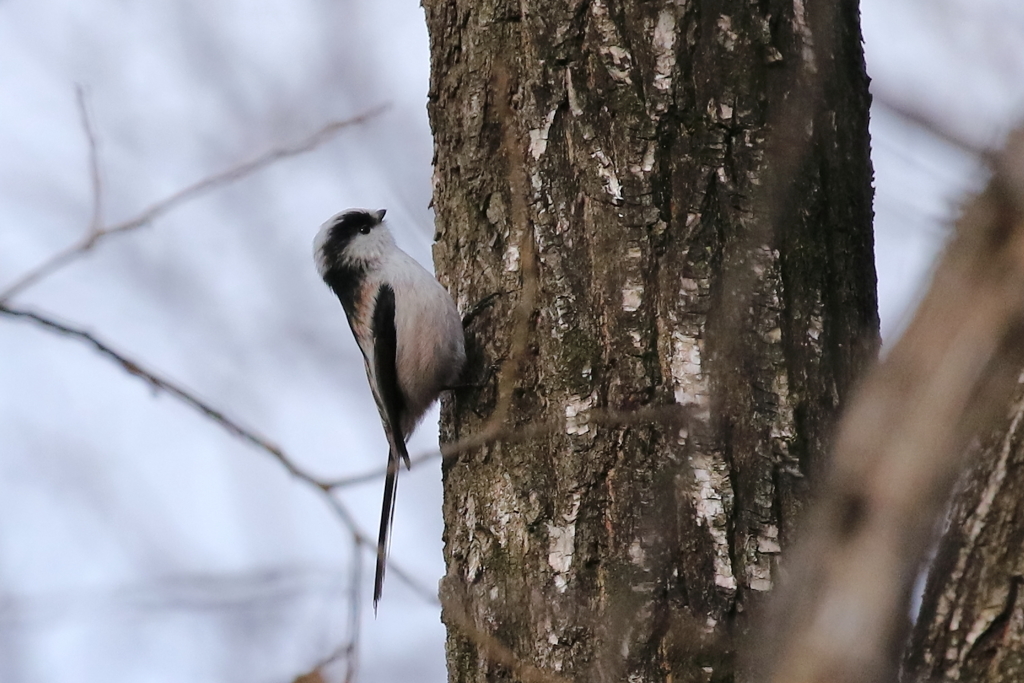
[971,624]
[618,151]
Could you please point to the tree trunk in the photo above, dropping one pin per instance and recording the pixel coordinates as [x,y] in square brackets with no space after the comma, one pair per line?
[971,622]
[606,195]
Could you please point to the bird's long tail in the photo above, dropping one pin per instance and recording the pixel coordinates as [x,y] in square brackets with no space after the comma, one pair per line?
[387,515]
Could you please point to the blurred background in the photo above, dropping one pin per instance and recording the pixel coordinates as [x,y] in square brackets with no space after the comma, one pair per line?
[140,541]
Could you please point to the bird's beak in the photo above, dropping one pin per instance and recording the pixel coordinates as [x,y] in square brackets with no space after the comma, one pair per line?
[379,215]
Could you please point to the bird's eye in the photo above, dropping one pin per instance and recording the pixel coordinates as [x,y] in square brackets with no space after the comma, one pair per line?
[366,229]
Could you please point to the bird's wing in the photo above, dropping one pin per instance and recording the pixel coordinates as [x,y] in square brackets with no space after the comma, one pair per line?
[390,402]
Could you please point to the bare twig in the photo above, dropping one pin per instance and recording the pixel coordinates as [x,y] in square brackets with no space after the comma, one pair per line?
[96,222]
[97,233]
[162,384]
[354,614]
[348,649]
[424,592]
[230,425]
[672,416]
[841,615]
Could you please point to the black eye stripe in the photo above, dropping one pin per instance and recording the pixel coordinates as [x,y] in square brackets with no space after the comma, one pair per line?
[346,227]
[351,222]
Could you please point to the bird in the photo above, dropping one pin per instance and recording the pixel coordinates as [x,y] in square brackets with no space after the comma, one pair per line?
[407,327]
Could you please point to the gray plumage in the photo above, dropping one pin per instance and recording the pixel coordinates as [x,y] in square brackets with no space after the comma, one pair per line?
[406,325]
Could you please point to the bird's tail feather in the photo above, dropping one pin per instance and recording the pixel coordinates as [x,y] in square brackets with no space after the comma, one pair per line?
[387,515]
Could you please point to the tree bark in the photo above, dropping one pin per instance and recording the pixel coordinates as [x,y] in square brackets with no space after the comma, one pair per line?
[971,622]
[607,190]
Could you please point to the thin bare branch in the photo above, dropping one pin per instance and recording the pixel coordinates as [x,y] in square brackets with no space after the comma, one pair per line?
[98,233]
[95,178]
[230,425]
[348,649]
[670,417]
[355,602]
[424,592]
[162,384]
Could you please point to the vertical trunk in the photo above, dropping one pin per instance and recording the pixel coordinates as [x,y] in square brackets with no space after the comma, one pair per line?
[601,168]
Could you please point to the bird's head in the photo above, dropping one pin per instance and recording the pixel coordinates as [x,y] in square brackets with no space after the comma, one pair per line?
[355,236]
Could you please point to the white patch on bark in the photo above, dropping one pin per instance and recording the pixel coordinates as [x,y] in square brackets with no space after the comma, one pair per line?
[768,542]
[816,327]
[539,136]
[562,544]
[617,59]
[802,29]
[648,163]
[664,49]
[759,578]
[633,290]
[505,519]
[632,296]
[724,111]
[512,258]
[710,493]
[689,385]
[574,101]
[636,553]
[727,37]
[607,173]
[576,414]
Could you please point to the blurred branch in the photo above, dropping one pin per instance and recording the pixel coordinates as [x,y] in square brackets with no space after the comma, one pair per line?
[672,416]
[928,122]
[841,615]
[161,384]
[97,232]
[250,436]
[96,222]
[349,648]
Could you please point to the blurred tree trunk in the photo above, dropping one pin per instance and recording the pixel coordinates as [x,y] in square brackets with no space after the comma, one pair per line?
[971,621]
[607,166]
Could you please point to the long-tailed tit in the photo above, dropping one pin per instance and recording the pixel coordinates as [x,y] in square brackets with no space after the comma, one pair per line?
[407,327]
